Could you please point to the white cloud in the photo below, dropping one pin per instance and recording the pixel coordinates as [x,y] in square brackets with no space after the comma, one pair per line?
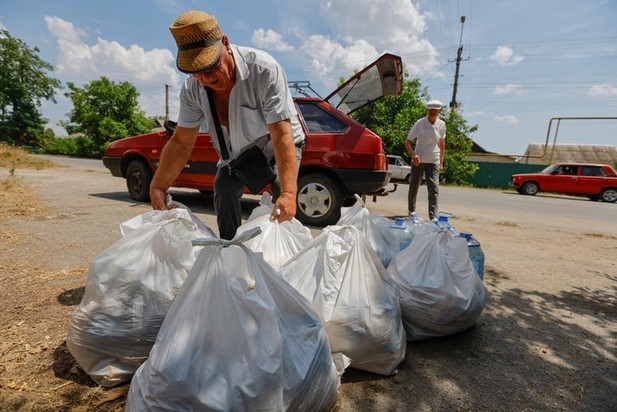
[82,62]
[78,62]
[476,113]
[515,89]
[504,56]
[602,90]
[271,40]
[509,119]
[393,26]
[328,56]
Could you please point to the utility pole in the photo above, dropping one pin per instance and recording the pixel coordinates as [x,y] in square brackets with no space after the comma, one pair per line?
[454,104]
[166,102]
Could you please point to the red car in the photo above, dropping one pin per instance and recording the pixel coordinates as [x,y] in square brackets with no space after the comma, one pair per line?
[341,157]
[596,181]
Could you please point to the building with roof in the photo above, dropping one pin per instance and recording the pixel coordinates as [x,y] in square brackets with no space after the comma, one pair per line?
[541,154]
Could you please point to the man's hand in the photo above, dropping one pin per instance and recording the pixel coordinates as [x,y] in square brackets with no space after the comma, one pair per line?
[284,207]
[158,198]
[415,160]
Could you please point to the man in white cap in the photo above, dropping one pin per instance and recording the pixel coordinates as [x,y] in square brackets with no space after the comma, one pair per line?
[427,157]
[247,90]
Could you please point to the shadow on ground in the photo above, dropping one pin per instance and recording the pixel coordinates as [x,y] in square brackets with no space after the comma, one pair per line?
[521,355]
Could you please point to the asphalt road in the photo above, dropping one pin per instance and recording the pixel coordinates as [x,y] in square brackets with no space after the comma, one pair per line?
[552,210]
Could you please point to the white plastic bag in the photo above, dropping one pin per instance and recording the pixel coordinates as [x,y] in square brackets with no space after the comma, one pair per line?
[130,287]
[278,242]
[237,338]
[154,217]
[349,288]
[376,228]
[438,288]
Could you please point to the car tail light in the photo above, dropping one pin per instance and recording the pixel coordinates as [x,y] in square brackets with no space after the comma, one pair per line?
[380,162]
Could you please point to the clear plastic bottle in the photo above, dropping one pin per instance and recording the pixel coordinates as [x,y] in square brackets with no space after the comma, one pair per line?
[402,232]
[414,219]
[476,254]
[443,220]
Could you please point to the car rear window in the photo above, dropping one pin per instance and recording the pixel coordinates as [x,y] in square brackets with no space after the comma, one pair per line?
[592,171]
[318,120]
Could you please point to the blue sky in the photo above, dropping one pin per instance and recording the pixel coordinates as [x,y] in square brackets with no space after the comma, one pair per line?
[524,61]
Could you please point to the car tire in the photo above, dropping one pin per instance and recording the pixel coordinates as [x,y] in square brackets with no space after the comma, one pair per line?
[138,179]
[319,200]
[530,188]
[408,178]
[609,195]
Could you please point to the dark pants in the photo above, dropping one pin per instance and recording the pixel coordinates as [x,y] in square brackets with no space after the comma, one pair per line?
[228,190]
[431,173]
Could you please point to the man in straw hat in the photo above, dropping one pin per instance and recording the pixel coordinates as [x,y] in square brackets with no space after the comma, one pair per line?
[254,107]
[427,158]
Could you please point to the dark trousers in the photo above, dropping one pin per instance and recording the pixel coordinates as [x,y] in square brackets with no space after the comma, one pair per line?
[228,190]
[431,174]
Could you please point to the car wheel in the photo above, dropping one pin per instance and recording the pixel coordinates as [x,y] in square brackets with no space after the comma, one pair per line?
[319,200]
[609,195]
[530,188]
[138,178]
[595,198]
[408,178]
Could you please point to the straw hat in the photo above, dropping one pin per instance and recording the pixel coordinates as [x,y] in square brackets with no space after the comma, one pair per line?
[198,37]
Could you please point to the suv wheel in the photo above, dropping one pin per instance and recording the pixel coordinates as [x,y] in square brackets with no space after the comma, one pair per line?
[609,195]
[530,188]
[138,178]
[319,200]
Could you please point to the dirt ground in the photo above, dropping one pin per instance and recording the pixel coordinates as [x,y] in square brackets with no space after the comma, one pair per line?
[546,340]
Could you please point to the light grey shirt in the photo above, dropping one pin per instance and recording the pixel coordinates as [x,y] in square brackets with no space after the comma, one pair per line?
[259,97]
[427,136]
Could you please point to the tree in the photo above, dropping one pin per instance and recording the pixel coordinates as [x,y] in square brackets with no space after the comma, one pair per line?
[24,84]
[392,117]
[104,111]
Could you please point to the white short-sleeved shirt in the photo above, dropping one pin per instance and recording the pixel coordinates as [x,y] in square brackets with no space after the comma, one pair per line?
[259,97]
[427,136]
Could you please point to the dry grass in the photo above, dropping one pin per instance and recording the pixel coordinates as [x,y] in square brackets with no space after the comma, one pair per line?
[37,373]
[13,158]
[19,200]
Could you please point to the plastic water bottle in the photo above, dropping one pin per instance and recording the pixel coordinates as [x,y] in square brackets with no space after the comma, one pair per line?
[402,232]
[476,254]
[414,219]
[443,220]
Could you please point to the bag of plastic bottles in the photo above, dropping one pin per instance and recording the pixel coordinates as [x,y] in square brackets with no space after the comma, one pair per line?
[130,287]
[439,291]
[375,228]
[278,242]
[237,338]
[340,274]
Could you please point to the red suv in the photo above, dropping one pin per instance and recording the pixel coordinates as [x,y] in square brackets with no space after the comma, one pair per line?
[341,157]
